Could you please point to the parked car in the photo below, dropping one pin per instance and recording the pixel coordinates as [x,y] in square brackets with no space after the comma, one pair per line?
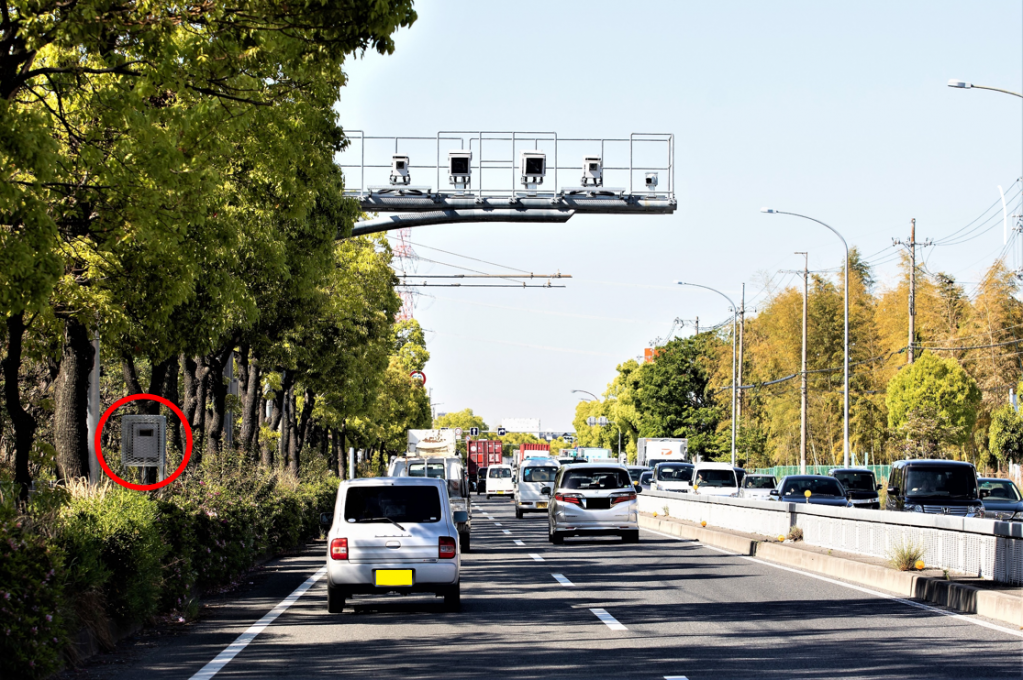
[500,481]
[593,500]
[393,534]
[534,485]
[824,490]
[860,485]
[757,486]
[715,479]
[672,477]
[943,487]
[1001,499]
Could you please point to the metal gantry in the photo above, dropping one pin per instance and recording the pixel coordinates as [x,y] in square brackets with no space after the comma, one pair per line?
[485,176]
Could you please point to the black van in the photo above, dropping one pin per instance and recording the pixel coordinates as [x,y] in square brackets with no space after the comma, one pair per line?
[940,487]
[861,486]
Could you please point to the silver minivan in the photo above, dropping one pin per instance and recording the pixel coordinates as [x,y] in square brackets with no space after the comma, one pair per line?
[392,534]
[593,500]
[534,485]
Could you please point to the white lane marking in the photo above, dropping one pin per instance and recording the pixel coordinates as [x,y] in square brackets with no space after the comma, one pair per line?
[562,580]
[610,621]
[675,677]
[536,557]
[518,542]
[506,531]
[868,591]
[498,524]
[215,666]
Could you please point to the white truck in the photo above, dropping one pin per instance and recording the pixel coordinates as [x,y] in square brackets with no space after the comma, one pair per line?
[434,453]
[594,454]
[653,450]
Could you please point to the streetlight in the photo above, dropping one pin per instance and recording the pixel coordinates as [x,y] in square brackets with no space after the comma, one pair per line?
[963,85]
[595,397]
[734,386]
[603,421]
[845,349]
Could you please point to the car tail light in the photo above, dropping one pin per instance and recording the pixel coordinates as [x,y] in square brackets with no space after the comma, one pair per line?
[339,549]
[568,498]
[622,497]
[446,548]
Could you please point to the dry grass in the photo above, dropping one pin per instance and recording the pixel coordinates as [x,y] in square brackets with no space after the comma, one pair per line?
[795,534]
[903,555]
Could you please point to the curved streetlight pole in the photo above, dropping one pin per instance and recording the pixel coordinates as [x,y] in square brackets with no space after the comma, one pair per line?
[596,398]
[964,85]
[734,386]
[845,344]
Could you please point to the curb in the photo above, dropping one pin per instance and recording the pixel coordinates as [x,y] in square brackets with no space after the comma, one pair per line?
[958,597]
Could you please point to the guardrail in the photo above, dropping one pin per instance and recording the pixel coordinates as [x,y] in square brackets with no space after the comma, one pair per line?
[987,548]
[779,471]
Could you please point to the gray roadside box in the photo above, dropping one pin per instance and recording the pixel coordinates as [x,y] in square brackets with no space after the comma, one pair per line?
[144,442]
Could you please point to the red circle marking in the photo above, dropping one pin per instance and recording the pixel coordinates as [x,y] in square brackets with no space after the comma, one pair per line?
[148,397]
[418,374]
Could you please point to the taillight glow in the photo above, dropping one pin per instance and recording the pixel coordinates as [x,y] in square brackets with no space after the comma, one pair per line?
[568,498]
[621,498]
[446,548]
[339,549]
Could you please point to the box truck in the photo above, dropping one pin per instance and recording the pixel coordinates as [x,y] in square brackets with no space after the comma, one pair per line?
[652,450]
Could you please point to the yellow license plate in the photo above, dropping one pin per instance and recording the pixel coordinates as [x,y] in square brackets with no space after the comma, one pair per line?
[394,577]
[500,492]
[541,505]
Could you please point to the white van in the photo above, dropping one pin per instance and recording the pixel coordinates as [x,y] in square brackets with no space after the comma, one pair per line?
[500,481]
[447,468]
[673,476]
[534,485]
[715,479]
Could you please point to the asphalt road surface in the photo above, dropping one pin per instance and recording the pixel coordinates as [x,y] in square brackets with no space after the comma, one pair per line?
[664,608]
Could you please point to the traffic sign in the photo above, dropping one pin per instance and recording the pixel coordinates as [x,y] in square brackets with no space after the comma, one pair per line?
[501,432]
[474,431]
[458,432]
[418,375]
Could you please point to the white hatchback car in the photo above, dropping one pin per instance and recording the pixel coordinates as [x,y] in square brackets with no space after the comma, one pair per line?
[715,479]
[500,481]
[393,534]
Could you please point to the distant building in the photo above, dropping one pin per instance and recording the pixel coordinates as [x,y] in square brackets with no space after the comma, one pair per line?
[524,425]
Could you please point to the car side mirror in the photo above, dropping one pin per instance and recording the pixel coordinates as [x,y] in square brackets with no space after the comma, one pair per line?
[877,488]
[460,516]
[984,493]
[893,490]
[326,519]
[775,492]
[545,491]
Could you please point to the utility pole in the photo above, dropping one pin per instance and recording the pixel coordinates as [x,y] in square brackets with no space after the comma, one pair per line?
[911,246]
[697,325]
[802,370]
[742,328]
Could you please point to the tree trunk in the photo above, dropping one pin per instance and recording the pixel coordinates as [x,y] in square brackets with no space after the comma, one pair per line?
[251,399]
[188,372]
[71,399]
[285,423]
[169,391]
[287,380]
[292,434]
[218,396]
[131,375]
[305,423]
[22,421]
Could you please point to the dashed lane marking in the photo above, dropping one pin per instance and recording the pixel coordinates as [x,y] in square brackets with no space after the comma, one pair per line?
[506,531]
[518,542]
[536,557]
[564,581]
[608,620]
[498,524]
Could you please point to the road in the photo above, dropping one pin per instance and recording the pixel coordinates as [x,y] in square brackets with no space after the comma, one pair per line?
[586,610]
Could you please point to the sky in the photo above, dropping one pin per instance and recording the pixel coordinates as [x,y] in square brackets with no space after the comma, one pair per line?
[839,111]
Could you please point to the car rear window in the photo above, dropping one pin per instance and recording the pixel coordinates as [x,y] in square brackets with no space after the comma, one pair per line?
[716,478]
[950,482]
[816,487]
[426,470]
[760,482]
[400,503]
[596,479]
[857,481]
[674,473]
[539,474]
[500,473]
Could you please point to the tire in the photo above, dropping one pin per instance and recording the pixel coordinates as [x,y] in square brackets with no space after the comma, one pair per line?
[488,497]
[518,514]
[335,600]
[464,541]
[557,538]
[453,599]
[630,536]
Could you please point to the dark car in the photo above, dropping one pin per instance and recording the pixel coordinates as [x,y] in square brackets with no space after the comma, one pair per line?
[481,480]
[938,487]
[740,474]
[1001,499]
[823,490]
[635,472]
[860,485]
[645,479]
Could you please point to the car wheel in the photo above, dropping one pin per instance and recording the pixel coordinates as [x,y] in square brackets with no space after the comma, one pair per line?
[464,541]
[518,514]
[453,599]
[335,600]
[557,538]
[630,536]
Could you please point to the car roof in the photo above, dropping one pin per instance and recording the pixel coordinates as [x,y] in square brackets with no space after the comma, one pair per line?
[760,474]
[394,481]
[583,466]
[716,466]
[849,469]
[995,479]
[676,462]
[540,462]
[931,462]
[827,477]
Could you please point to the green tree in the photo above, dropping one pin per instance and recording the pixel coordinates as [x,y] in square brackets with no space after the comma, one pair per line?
[1006,434]
[939,388]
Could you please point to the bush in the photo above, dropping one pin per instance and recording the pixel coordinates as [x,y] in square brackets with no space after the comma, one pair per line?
[904,554]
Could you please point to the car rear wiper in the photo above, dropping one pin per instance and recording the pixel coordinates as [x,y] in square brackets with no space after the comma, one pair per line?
[385,519]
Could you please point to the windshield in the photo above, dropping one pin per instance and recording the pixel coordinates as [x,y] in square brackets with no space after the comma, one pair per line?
[539,474]
[426,470]
[499,473]
[416,504]
[674,473]
[596,479]
[645,477]
[760,482]
[1001,489]
[951,482]
[857,481]
[816,486]
[715,478]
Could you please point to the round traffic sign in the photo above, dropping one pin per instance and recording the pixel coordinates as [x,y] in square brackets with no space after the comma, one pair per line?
[418,375]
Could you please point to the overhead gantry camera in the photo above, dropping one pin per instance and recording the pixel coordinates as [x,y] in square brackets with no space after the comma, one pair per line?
[533,168]
[593,171]
[651,181]
[460,168]
[400,170]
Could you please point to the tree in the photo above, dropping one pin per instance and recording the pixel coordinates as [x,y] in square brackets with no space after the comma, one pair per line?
[464,419]
[938,389]
[1006,434]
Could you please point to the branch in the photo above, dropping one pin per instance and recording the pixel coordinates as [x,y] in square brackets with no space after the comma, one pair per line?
[221,95]
[119,70]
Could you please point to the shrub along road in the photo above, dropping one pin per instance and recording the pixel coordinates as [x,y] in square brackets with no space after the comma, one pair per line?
[588,609]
